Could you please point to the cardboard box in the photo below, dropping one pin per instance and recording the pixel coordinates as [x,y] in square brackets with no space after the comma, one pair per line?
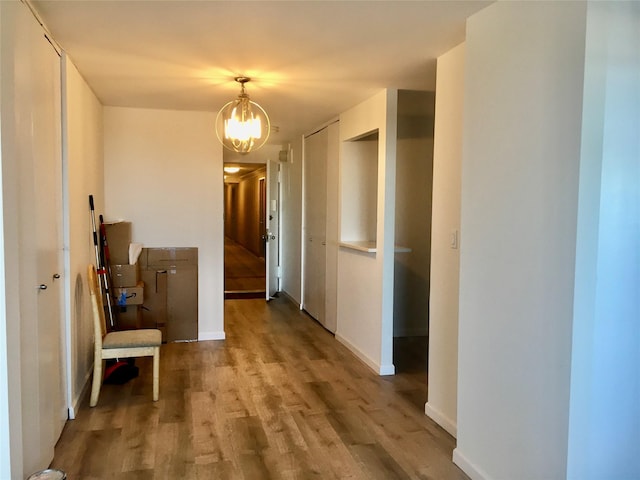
[125,275]
[169,257]
[118,240]
[154,308]
[129,318]
[181,267]
[129,295]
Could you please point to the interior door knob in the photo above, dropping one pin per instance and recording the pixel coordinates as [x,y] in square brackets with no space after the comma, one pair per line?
[42,286]
[56,276]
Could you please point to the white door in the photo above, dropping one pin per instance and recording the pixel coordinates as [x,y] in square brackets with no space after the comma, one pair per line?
[38,140]
[314,227]
[46,142]
[272,233]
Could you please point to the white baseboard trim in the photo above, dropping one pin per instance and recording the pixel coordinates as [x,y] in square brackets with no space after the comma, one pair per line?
[290,298]
[204,336]
[468,467]
[379,369]
[445,422]
[75,403]
[387,370]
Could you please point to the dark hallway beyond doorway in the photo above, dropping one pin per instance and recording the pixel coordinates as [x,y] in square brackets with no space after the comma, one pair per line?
[411,355]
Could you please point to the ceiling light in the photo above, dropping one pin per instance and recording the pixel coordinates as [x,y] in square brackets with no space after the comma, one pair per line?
[232,169]
[242,125]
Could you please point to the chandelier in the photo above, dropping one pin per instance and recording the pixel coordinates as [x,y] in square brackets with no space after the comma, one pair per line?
[242,125]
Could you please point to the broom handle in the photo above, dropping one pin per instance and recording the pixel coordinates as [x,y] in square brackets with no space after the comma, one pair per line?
[102,272]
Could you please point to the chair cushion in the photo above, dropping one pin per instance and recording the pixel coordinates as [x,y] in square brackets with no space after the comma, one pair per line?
[132,338]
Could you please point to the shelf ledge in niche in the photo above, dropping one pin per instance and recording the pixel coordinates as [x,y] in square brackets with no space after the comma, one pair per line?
[369,246]
[360,245]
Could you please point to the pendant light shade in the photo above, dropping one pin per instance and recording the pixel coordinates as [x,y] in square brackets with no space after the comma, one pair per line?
[242,125]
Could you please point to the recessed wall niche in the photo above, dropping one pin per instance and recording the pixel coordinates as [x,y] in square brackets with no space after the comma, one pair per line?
[359,192]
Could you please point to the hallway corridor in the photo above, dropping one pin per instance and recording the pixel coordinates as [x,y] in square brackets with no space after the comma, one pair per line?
[280,398]
[244,273]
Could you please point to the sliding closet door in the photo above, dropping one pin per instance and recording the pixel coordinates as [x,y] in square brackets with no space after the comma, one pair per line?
[320,225]
[314,223]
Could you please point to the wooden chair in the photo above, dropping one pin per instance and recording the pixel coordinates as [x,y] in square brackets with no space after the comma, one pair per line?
[125,344]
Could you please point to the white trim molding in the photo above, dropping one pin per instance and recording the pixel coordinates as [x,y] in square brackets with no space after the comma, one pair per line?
[379,369]
[468,467]
[204,336]
[445,422]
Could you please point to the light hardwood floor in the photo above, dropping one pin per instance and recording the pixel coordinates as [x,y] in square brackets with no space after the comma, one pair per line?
[280,398]
[243,271]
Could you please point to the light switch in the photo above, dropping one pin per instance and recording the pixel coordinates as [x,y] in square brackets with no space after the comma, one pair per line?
[274,205]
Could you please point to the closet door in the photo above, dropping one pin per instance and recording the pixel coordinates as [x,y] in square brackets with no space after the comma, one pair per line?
[46,143]
[314,223]
[38,153]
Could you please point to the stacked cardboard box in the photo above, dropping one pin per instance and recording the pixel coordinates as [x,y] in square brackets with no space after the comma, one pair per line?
[125,275]
[128,289]
[170,276]
[154,314]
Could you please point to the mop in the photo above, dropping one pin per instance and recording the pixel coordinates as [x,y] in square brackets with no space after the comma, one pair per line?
[116,371]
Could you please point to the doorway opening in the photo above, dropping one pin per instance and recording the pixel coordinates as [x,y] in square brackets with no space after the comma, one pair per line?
[413,208]
[244,230]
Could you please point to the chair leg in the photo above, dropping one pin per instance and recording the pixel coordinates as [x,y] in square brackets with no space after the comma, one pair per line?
[97,382]
[156,373]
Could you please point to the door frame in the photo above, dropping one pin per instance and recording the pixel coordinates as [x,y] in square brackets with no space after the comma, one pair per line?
[272,269]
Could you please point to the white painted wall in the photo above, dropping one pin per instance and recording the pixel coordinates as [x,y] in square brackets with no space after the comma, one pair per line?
[163,172]
[83,175]
[10,408]
[365,280]
[604,430]
[332,230]
[5,413]
[14,44]
[359,193]
[445,260]
[522,122]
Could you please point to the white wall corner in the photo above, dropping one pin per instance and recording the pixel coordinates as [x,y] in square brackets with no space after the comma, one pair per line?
[204,336]
[375,366]
[468,467]
[74,403]
[445,422]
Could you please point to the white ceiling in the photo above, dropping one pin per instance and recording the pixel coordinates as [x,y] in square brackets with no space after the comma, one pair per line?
[309,60]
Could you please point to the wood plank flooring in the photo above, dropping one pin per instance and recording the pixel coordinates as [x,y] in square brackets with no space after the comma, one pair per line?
[280,398]
[243,271]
